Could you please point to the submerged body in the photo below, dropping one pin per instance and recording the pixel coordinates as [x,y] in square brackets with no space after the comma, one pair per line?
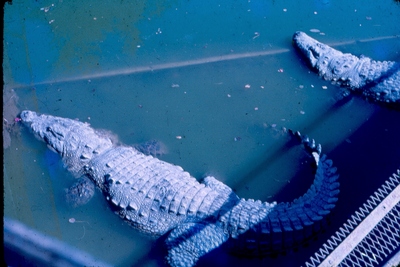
[159,198]
[80,193]
[376,80]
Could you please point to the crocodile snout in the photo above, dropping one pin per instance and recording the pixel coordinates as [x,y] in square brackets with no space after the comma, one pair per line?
[28,116]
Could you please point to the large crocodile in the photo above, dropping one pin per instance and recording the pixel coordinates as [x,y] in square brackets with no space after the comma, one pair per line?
[159,198]
[376,80]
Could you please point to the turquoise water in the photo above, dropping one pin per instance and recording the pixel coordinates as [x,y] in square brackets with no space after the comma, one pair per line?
[162,69]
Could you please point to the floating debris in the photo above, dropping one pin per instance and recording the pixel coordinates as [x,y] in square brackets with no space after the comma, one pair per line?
[47,8]
[228,95]
[175,85]
[73,220]
[256,108]
[178,137]
[280,70]
[324,87]
[314,30]
[247,86]
[302,112]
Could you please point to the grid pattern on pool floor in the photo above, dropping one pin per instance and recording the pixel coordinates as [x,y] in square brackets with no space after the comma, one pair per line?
[375,246]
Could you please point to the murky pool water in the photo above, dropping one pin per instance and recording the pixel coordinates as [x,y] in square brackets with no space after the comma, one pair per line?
[216,73]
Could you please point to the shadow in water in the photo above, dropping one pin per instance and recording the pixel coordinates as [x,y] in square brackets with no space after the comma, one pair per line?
[364,164]
[274,243]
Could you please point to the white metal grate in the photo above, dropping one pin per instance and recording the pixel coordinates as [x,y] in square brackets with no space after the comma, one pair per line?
[379,243]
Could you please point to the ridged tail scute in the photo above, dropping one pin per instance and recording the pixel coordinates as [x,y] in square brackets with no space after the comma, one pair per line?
[276,227]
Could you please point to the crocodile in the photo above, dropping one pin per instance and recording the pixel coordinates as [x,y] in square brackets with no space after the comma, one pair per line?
[161,199]
[378,81]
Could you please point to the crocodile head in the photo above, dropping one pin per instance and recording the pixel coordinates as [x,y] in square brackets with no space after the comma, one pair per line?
[319,55]
[74,141]
[330,63]
[48,129]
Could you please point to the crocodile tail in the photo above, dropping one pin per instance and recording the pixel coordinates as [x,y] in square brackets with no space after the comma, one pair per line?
[261,228]
[292,223]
